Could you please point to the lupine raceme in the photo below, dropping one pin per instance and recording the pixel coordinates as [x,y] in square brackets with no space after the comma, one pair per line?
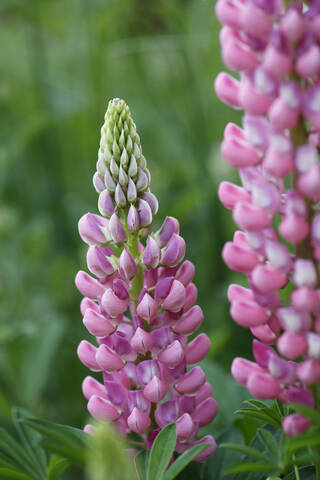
[139,303]
[275,47]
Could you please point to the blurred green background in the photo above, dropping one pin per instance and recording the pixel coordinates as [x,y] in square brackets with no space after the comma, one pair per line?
[61,60]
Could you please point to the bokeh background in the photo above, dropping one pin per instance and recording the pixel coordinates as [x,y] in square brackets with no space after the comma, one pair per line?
[60,62]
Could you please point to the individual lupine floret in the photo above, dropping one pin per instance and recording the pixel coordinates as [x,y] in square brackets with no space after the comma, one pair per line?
[276,49]
[140,304]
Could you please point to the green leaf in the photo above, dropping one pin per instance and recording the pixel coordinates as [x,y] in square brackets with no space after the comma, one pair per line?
[8,474]
[244,467]
[270,442]
[12,448]
[31,441]
[56,467]
[308,412]
[161,452]
[61,433]
[215,466]
[257,404]
[305,440]
[183,460]
[76,455]
[246,450]
[140,463]
[260,415]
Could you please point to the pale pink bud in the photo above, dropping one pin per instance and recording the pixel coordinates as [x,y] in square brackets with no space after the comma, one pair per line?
[204,392]
[305,274]
[191,381]
[190,321]
[267,278]
[277,59]
[89,429]
[238,258]
[138,421]
[248,314]
[277,164]
[97,324]
[229,194]
[105,204]
[169,227]
[175,299]
[120,289]
[315,231]
[305,299]
[255,21]
[294,228]
[197,349]
[116,229]
[278,256]
[191,297]
[185,427]
[309,372]
[127,266]
[291,345]
[167,412]
[141,341]
[207,452]
[87,355]
[152,201]
[282,116]
[152,253]
[147,308]
[262,385]
[90,386]
[238,152]
[295,424]
[185,273]
[308,61]
[251,218]
[205,411]
[87,303]
[133,221]
[174,251]
[236,292]
[312,105]
[97,262]
[227,89]
[242,368]
[293,24]
[237,56]
[313,340]
[228,12]
[252,99]
[90,229]
[112,304]
[102,409]
[108,360]
[172,355]
[264,333]
[155,390]
[293,320]
[262,353]
[148,369]
[145,213]
[88,286]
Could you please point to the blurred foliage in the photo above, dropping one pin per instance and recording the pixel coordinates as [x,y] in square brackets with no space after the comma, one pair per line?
[60,63]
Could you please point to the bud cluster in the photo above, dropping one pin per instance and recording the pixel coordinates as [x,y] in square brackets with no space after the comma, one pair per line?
[140,306]
[122,178]
[276,49]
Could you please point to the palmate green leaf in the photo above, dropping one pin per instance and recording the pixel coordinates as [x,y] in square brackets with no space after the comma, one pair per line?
[56,467]
[246,467]
[184,460]
[31,441]
[305,473]
[308,412]
[161,452]
[9,474]
[270,442]
[246,450]
[13,449]
[61,433]
[259,415]
[214,468]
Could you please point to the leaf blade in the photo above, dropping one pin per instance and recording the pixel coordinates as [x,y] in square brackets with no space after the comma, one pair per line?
[161,452]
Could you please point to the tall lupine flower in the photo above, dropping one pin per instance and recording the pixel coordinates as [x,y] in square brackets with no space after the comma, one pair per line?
[140,303]
[276,50]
